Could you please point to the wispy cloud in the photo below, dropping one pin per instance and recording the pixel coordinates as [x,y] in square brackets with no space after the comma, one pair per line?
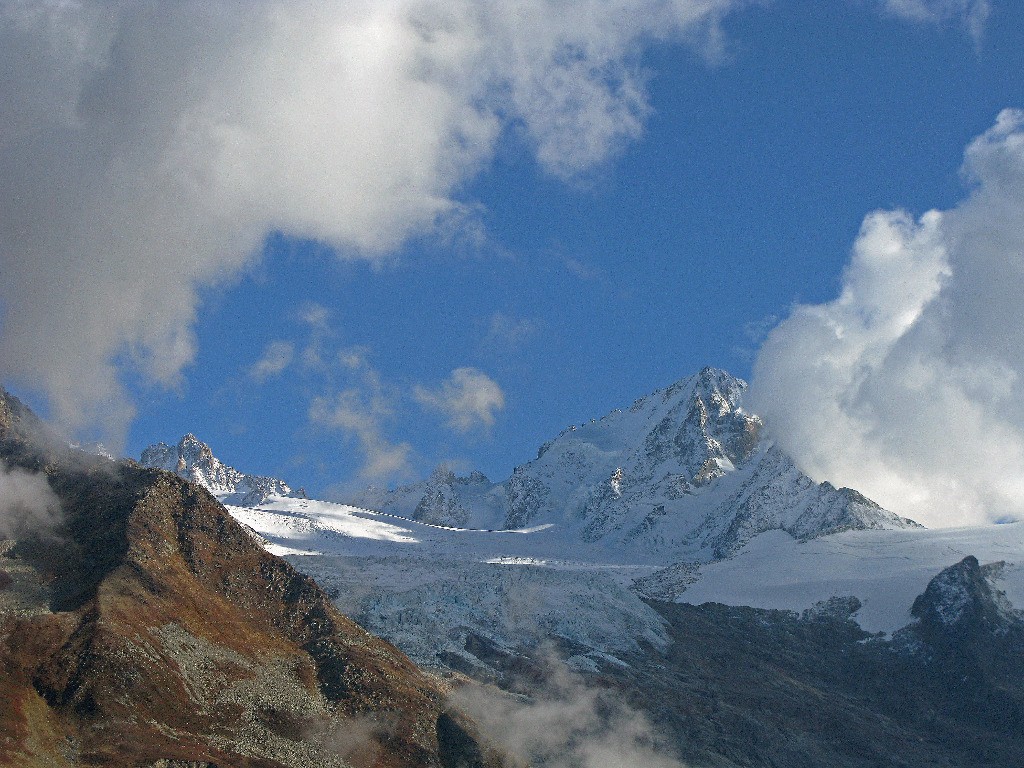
[581,270]
[566,723]
[316,316]
[354,413]
[352,397]
[317,320]
[506,332]
[277,356]
[909,386]
[361,412]
[973,14]
[468,398]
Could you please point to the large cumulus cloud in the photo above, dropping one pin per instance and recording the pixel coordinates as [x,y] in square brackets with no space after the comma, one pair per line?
[910,385]
[146,149]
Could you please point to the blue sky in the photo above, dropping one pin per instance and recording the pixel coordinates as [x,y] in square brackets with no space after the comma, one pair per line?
[733,189]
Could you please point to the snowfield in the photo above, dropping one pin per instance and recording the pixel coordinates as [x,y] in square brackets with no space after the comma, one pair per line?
[885,570]
[423,586]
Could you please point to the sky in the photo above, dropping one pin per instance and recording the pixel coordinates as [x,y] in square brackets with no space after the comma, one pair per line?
[344,242]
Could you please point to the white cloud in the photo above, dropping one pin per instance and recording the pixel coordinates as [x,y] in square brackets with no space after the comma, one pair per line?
[27,504]
[469,398]
[277,356]
[352,412]
[317,317]
[971,13]
[147,149]
[360,403]
[909,385]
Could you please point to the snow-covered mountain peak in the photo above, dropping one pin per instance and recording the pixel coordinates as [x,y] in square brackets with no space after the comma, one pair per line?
[193,460]
[694,419]
[684,468]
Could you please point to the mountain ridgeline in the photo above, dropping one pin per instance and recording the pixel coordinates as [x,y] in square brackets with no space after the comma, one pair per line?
[685,468]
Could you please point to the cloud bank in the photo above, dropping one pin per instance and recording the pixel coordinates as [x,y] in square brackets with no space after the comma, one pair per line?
[909,386]
[146,149]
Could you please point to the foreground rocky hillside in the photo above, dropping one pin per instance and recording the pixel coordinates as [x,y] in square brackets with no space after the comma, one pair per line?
[141,625]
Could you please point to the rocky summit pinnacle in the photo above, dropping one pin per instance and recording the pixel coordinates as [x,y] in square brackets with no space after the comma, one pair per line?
[965,595]
[193,460]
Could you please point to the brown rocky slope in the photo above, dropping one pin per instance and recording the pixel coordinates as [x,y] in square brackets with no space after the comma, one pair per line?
[145,627]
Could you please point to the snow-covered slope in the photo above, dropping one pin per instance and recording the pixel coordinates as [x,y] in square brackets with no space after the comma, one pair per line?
[438,592]
[685,468]
[193,460]
[885,570]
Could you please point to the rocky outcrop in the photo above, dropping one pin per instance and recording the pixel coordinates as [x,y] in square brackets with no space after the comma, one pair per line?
[440,504]
[963,599]
[193,460]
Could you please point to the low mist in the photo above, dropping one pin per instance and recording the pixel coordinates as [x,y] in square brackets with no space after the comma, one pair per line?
[28,506]
[567,723]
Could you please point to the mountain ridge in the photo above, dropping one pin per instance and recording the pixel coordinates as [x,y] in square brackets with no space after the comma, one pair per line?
[686,465]
[447,580]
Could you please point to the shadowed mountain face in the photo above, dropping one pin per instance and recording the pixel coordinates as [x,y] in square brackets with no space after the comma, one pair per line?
[745,687]
[141,625]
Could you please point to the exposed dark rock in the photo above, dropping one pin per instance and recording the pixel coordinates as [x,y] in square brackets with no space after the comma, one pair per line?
[456,747]
[834,609]
[964,599]
[747,687]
